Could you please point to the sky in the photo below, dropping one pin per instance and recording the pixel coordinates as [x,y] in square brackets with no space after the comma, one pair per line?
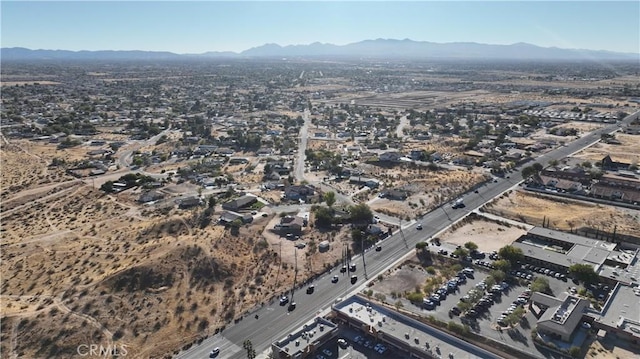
[201,26]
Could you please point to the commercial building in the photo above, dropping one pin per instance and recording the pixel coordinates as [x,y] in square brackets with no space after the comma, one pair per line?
[559,250]
[403,334]
[304,342]
[561,316]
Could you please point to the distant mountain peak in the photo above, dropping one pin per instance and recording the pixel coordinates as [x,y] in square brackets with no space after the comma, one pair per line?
[378,48]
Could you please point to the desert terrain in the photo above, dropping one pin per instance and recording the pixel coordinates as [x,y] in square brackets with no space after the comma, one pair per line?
[563,214]
[74,255]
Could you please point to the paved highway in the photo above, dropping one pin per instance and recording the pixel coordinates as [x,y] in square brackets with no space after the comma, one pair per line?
[275,322]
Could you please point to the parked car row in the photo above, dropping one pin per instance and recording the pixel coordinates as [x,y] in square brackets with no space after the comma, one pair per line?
[520,301]
[378,347]
[545,271]
[449,287]
[480,299]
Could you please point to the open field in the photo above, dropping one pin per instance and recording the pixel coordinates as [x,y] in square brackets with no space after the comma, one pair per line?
[627,151]
[487,234]
[565,214]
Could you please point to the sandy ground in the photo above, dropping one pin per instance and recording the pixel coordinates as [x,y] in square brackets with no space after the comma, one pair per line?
[564,214]
[628,151]
[488,235]
[610,348]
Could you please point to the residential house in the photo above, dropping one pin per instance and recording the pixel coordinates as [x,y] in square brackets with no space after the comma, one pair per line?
[297,192]
[238,160]
[228,217]
[264,151]
[189,202]
[394,194]
[150,196]
[290,225]
[364,181]
[240,203]
[609,164]
[560,184]
[391,156]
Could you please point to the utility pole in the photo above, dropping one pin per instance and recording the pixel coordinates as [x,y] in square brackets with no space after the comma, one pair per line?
[402,233]
[364,265]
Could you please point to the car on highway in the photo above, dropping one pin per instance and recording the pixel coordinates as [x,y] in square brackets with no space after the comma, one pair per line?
[352,267]
[354,278]
[214,353]
[334,279]
[378,248]
[284,300]
[292,306]
[310,289]
[419,226]
[343,269]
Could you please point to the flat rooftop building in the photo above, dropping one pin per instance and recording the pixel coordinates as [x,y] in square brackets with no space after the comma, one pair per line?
[304,342]
[404,334]
[560,250]
[621,313]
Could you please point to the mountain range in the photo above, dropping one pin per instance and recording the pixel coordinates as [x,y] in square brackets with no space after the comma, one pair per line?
[367,49]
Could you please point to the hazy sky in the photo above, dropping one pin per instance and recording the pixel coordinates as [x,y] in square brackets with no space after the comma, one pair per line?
[196,27]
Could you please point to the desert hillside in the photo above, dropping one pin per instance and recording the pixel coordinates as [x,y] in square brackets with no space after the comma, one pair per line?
[80,266]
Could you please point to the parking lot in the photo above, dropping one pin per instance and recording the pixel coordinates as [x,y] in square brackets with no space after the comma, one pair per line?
[485,323]
[358,346]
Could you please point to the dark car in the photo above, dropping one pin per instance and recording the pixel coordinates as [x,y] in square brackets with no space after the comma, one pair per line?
[310,289]
[378,248]
[343,269]
[292,306]
[354,278]
[455,311]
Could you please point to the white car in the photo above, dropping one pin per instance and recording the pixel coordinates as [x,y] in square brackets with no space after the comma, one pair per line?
[419,226]
[214,353]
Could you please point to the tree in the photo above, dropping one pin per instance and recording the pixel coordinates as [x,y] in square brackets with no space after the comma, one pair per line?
[502,265]
[324,216]
[584,273]
[528,172]
[212,201]
[107,186]
[498,275]
[248,346]
[471,246]
[541,285]
[421,245]
[537,167]
[511,254]
[461,252]
[329,198]
[357,235]
[398,304]
[361,213]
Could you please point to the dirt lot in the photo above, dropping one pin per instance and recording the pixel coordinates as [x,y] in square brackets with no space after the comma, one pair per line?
[487,234]
[565,214]
[628,151]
